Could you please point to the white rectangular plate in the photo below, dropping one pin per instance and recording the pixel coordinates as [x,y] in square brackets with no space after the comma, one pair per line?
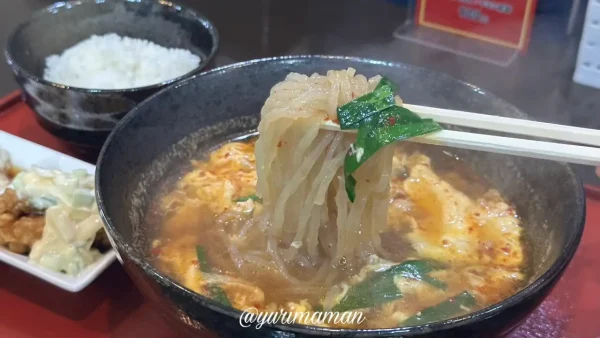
[23,155]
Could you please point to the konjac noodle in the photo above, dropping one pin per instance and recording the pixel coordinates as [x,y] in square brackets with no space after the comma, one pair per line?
[274,222]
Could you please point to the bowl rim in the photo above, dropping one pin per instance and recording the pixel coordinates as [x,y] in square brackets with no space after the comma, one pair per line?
[545,280]
[66,5]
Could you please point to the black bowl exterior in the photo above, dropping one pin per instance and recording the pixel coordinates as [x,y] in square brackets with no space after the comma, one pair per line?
[86,116]
[224,102]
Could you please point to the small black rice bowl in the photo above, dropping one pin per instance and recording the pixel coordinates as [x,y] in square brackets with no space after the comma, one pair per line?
[173,126]
[82,116]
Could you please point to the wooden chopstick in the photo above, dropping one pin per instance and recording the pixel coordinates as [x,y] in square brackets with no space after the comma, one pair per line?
[504,145]
[509,125]
[514,146]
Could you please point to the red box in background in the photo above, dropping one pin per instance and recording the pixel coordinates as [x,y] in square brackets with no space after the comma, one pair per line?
[502,22]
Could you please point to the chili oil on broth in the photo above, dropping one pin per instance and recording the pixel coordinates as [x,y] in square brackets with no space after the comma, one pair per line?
[439,211]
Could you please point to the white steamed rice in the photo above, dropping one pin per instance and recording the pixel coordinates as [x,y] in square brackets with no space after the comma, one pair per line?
[114,62]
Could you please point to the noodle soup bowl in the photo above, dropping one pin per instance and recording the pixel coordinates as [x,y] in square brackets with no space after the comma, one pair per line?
[221,104]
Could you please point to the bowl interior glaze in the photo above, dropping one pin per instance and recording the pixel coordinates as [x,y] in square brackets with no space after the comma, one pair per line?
[178,122]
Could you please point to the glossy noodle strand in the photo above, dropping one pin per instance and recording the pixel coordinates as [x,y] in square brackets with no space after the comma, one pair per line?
[295,183]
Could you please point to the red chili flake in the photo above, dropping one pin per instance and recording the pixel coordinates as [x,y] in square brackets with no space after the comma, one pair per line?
[155,251]
[506,250]
[195,262]
[392,120]
[326,118]
[445,242]
[227,155]
[279,144]
[353,95]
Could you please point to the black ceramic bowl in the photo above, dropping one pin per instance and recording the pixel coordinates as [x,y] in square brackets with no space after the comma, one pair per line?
[85,117]
[173,125]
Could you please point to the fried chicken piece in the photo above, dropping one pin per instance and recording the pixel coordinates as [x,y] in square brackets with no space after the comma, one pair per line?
[6,223]
[19,235]
[10,203]
[19,229]
[28,230]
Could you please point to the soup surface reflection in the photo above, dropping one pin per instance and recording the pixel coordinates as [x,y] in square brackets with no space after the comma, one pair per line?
[454,244]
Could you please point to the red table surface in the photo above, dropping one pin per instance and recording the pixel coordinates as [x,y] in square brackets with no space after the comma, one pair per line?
[112,307]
